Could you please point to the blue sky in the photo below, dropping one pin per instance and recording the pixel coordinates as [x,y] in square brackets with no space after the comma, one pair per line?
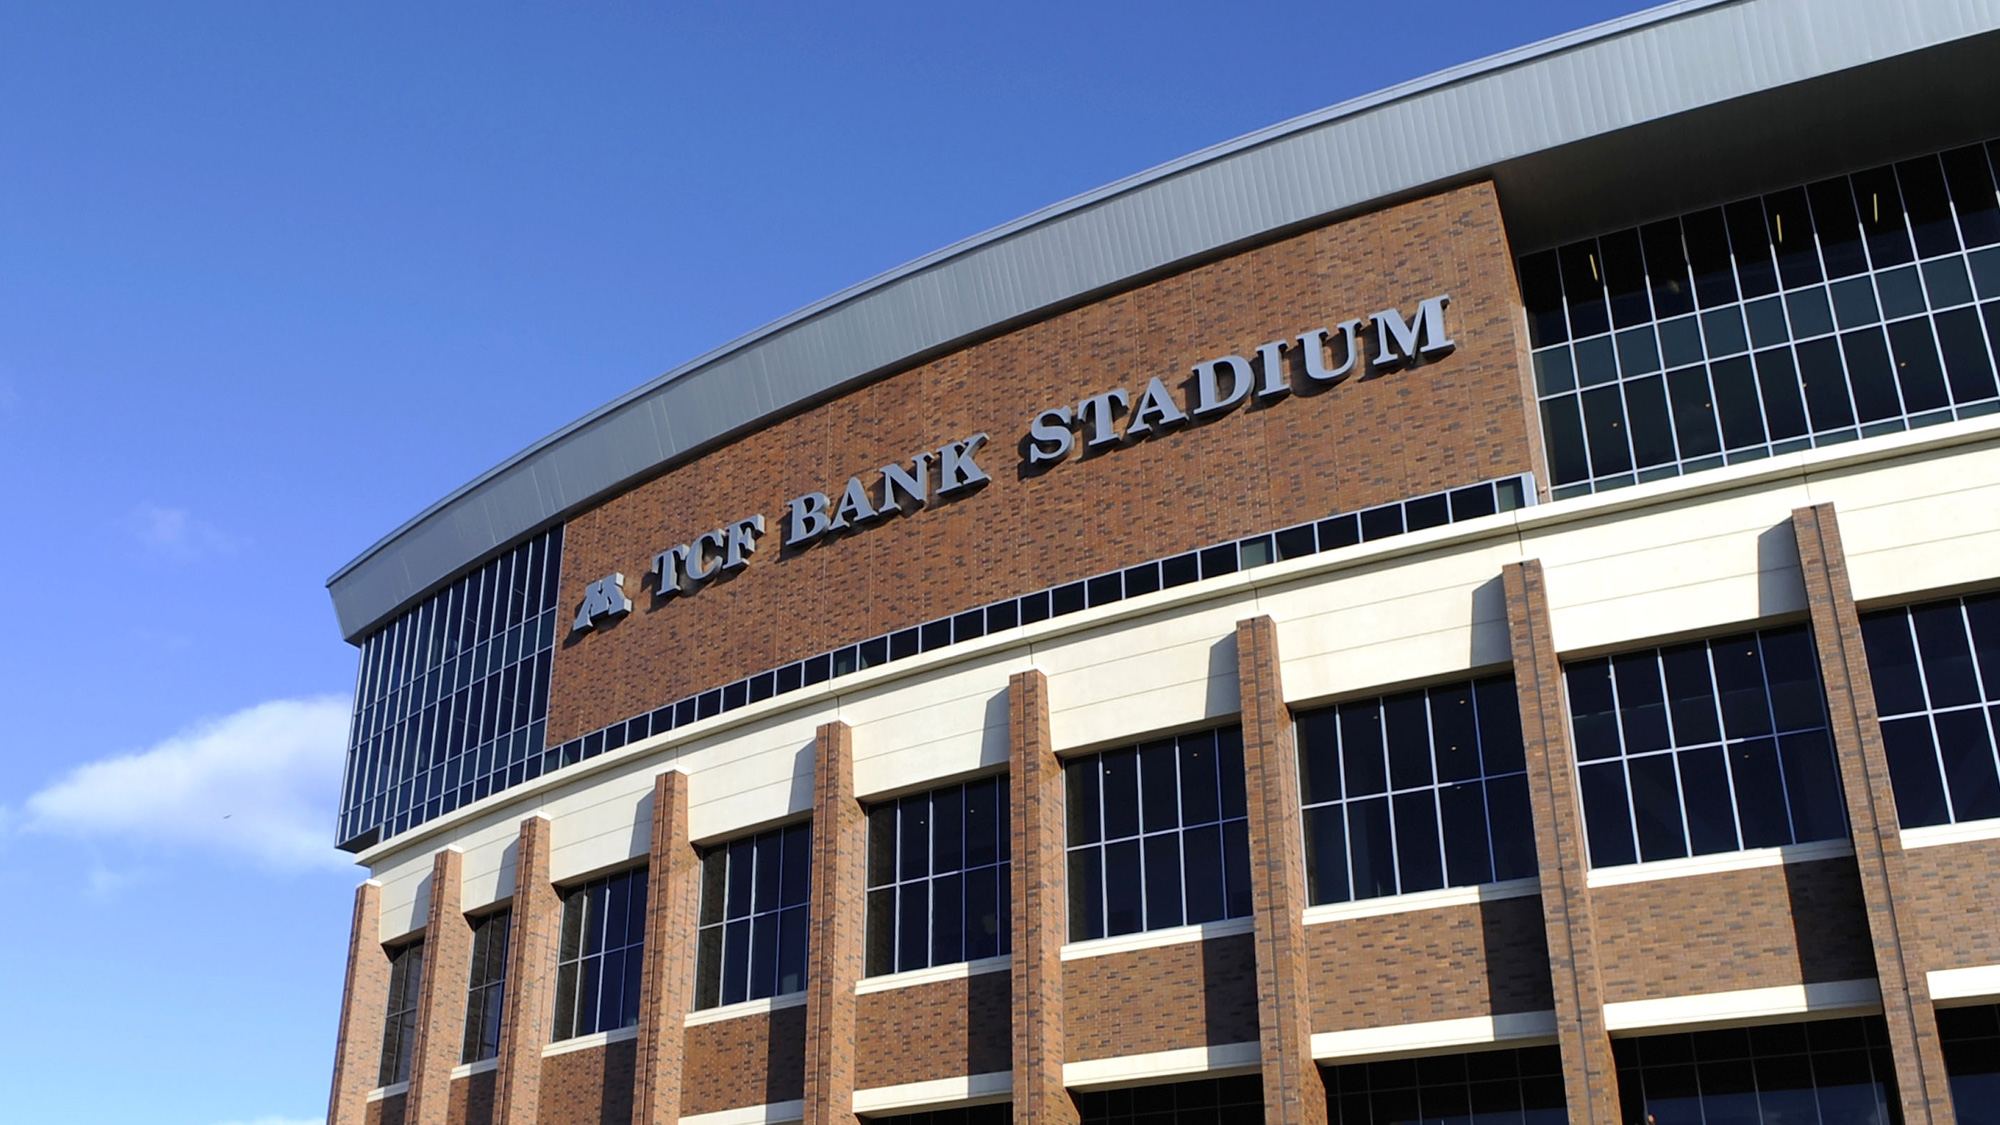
[274,277]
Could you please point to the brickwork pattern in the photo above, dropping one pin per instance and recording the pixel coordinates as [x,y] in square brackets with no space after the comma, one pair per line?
[440,1037]
[1293,1092]
[1797,924]
[1163,999]
[588,1087]
[941,1030]
[364,1003]
[667,992]
[1950,910]
[387,1111]
[750,1060]
[1589,1076]
[472,1100]
[531,965]
[1871,815]
[1456,420]
[1449,962]
[1038,876]
[835,948]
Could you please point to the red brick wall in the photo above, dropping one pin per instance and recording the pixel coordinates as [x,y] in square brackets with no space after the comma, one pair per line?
[1367,440]
[752,1060]
[1163,999]
[589,1087]
[1951,904]
[1733,930]
[1446,963]
[939,1030]
[472,1100]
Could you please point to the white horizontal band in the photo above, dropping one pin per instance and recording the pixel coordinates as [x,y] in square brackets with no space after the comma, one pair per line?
[1744,1004]
[965,1088]
[1966,833]
[1432,1036]
[389,1091]
[1154,939]
[957,970]
[1963,984]
[467,1070]
[586,1042]
[1744,860]
[1422,900]
[1137,1069]
[746,1008]
[765,1114]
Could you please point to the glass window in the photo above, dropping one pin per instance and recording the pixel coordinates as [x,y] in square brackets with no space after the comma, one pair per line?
[1712,746]
[938,874]
[1936,670]
[1773,274]
[751,942]
[1522,1086]
[1158,835]
[453,696]
[399,1026]
[1415,791]
[601,956]
[996,1113]
[1829,1072]
[1971,1041]
[1209,1101]
[486,990]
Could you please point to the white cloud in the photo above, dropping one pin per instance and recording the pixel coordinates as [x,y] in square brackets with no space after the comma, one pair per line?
[258,785]
[175,533]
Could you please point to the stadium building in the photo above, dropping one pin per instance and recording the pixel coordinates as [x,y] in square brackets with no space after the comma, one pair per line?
[1477,605]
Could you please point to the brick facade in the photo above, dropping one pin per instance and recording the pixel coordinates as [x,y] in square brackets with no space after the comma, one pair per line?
[747,1061]
[1452,421]
[1425,965]
[1871,815]
[673,897]
[364,1004]
[1039,998]
[1589,1078]
[834,951]
[531,962]
[926,1032]
[441,1000]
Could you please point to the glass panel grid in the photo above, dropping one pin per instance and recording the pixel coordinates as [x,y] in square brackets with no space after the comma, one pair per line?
[1828,1072]
[1706,747]
[1970,1038]
[938,871]
[751,941]
[452,697]
[1415,791]
[486,989]
[1158,835]
[1810,316]
[1503,494]
[1210,1101]
[601,954]
[399,1025]
[1936,672]
[1522,1086]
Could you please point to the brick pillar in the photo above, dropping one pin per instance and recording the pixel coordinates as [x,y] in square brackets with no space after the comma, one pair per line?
[834,960]
[1589,1075]
[364,1003]
[531,971]
[1293,1092]
[1040,914]
[673,896]
[441,1000]
[1871,814]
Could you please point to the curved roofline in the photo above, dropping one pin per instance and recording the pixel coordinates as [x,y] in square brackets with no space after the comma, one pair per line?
[1451,124]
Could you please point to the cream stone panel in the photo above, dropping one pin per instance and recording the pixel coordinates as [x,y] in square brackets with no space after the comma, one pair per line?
[1395,622]
[751,775]
[932,725]
[406,898]
[1170,669]
[1928,522]
[602,820]
[491,846]
[1702,562]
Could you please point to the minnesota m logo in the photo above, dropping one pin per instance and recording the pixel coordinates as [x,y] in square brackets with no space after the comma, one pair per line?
[602,598]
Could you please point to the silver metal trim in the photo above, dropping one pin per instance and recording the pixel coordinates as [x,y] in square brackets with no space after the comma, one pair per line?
[1449,126]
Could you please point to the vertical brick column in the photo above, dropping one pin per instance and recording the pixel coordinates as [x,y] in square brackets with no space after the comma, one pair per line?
[1871,815]
[531,968]
[667,991]
[441,1000]
[364,1003]
[1293,1092]
[1040,915]
[1589,1075]
[834,960]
